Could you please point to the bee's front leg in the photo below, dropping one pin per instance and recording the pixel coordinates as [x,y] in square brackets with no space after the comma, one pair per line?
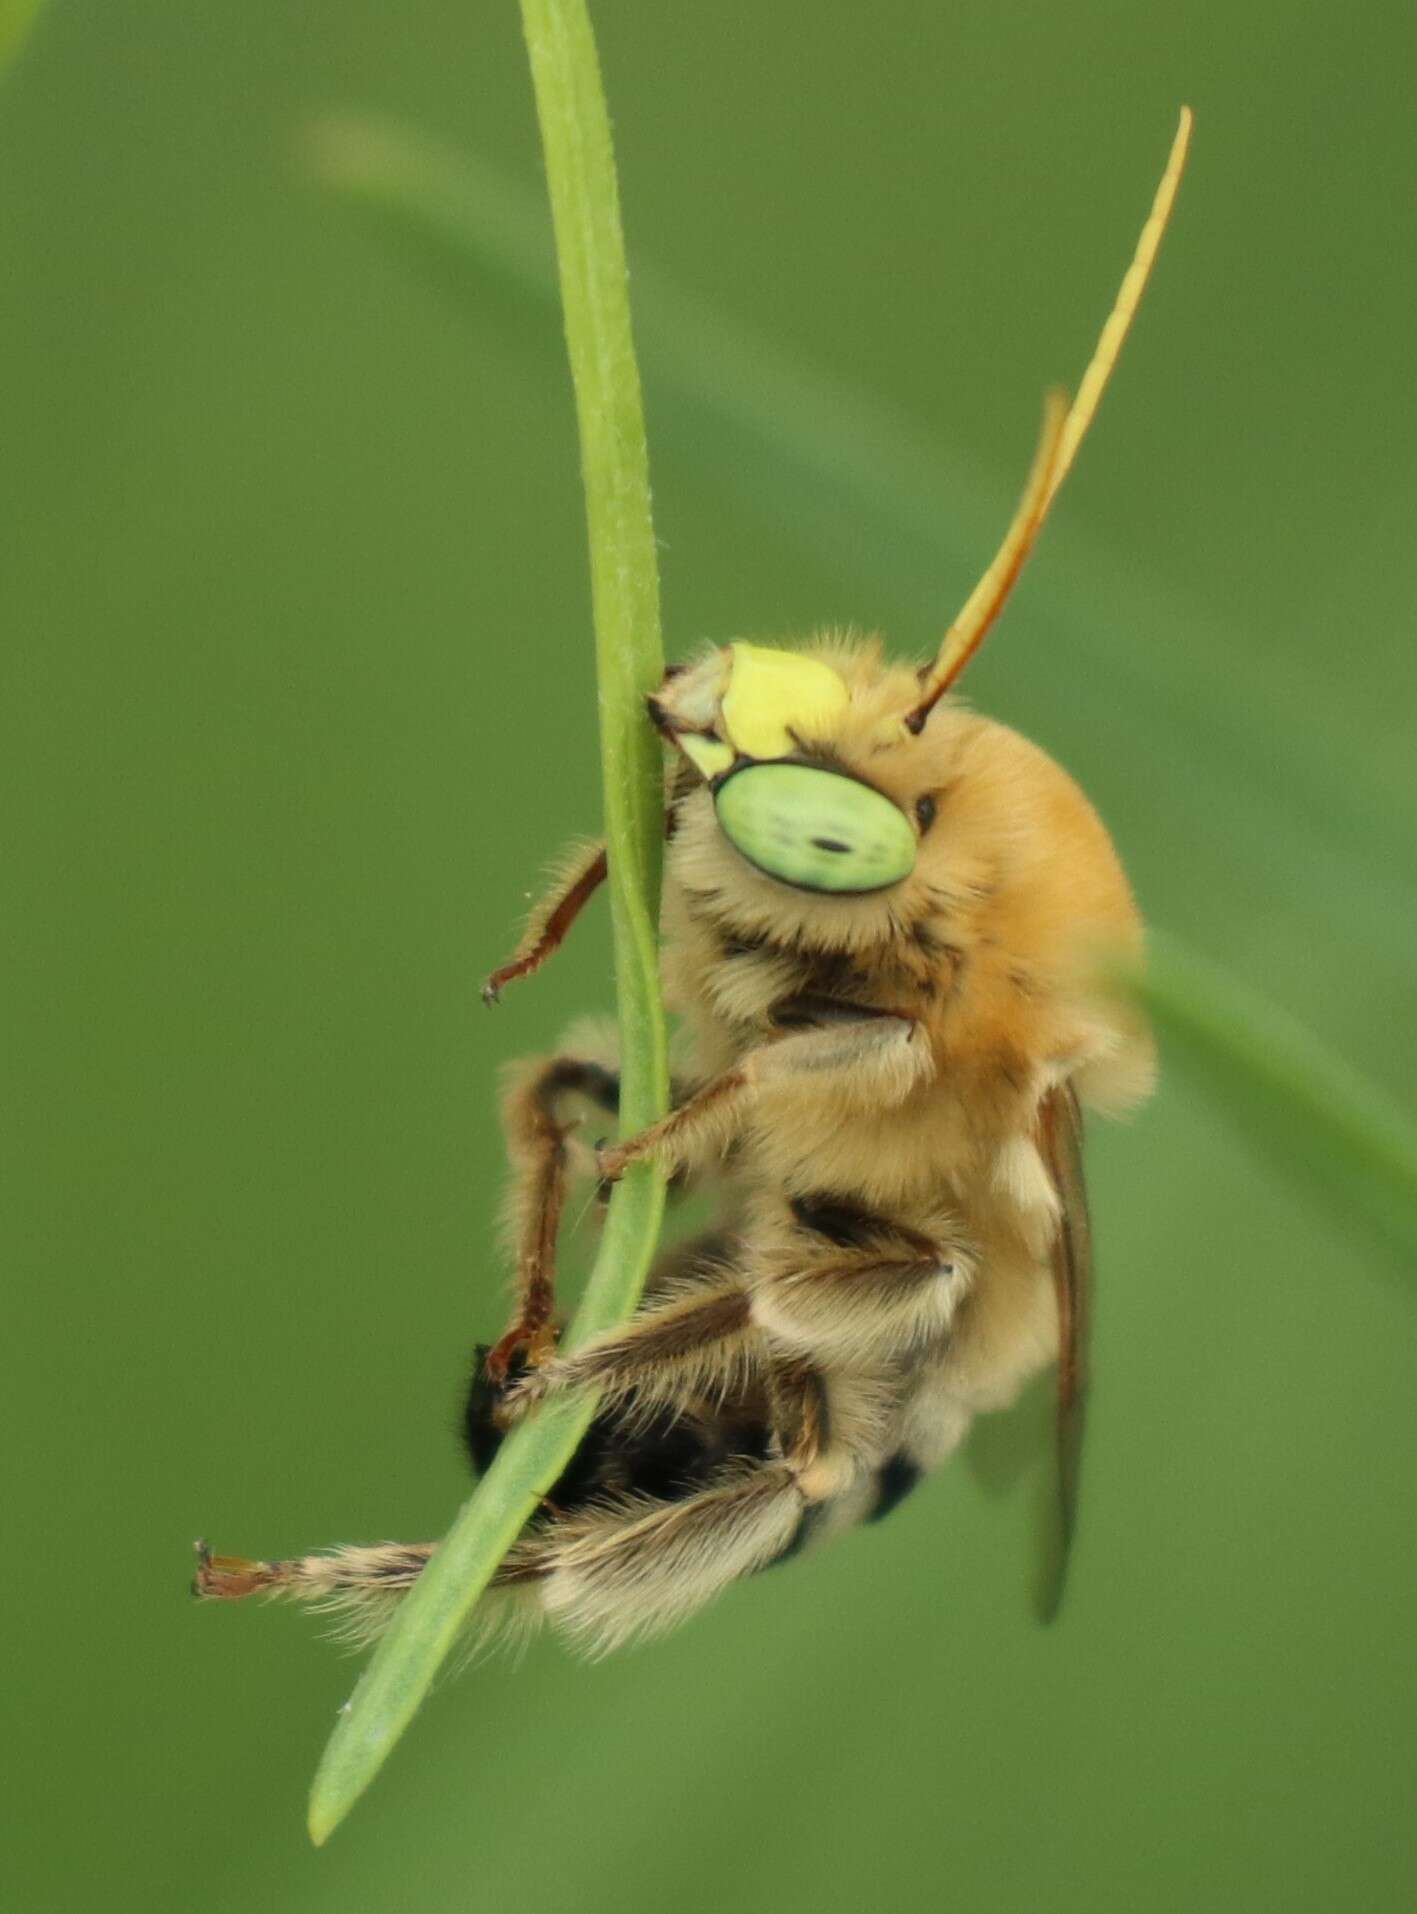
[876,1057]
[582,872]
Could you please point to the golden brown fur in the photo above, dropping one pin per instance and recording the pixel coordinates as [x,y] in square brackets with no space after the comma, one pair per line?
[882,1058]
[863,1080]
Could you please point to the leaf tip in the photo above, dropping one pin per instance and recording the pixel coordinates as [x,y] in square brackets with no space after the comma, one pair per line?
[324,1815]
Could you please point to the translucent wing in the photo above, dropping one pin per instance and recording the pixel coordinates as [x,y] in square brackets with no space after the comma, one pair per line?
[1060,1140]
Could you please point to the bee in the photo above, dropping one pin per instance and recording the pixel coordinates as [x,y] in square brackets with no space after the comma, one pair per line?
[883,921]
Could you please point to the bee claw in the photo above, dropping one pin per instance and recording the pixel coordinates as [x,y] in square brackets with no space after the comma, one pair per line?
[534,1347]
[226,1578]
[610,1162]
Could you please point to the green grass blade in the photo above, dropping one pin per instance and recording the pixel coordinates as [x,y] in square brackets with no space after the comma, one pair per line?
[625,592]
[1291,1098]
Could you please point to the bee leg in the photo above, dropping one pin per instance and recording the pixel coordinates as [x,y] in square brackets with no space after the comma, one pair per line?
[536,1143]
[363,1583]
[614,1572]
[861,1303]
[803,1420]
[581,875]
[485,1419]
[583,870]
[830,1430]
[361,1587]
[693,1346]
[874,1058]
[701,1127]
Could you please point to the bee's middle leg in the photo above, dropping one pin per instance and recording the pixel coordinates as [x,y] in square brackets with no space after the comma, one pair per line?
[875,1057]
[697,1345]
[536,1132]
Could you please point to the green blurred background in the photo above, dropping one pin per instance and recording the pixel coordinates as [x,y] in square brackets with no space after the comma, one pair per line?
[298,699]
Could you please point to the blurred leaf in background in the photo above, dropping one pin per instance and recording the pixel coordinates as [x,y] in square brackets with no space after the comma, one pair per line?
[16,19]
[294,570]
[1338,1137]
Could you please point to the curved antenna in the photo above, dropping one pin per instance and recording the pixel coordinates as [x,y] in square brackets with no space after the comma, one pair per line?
[986,601]
[1063,430]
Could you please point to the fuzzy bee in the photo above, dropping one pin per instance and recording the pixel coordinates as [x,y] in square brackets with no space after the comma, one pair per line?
[883,920]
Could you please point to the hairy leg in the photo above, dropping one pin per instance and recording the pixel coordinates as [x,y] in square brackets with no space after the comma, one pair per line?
[860,1289]
[581,874]
[537,1131]
[361,1587]
[875,1059]
[628,1560]
[617,1570]
[616,1573]
[693,1346]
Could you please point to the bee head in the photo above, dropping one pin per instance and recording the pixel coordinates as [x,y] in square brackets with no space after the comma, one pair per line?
[776,737]
[810,783]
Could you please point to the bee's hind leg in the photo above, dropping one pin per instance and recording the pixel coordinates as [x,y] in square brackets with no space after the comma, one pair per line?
[362,1586]
[614,1570]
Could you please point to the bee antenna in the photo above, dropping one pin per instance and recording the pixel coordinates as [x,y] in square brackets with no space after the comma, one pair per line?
[1064,427]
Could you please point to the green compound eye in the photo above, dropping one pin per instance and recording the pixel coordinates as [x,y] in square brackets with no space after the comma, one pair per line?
[817,829]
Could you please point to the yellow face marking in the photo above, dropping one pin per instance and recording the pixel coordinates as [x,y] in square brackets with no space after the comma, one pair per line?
[773,694]
[710,756]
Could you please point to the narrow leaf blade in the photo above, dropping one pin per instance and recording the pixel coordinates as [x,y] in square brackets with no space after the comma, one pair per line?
[1320,1120]
[625,594]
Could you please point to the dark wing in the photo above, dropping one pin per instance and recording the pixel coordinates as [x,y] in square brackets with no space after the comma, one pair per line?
[1060,1141]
